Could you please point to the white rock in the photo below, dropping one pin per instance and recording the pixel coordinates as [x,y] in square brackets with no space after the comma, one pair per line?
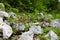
[51,35]
[1,19]
[20,26]
[36,29]
[26,36]
[7,30]
[3,13]
[55,23]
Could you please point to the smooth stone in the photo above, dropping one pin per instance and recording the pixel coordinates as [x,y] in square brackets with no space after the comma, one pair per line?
[36,29]
[6,30]
[26,36]
[4,14]
[51,35]
[1,19]
[55,23]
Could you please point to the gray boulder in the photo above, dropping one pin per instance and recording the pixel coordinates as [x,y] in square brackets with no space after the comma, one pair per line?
[4,14]
[55,23]
[51,35]
[36,29]
[26,36]
[6,30]
[1,19]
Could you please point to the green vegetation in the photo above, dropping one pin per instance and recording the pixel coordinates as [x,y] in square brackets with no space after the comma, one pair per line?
[29,9]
